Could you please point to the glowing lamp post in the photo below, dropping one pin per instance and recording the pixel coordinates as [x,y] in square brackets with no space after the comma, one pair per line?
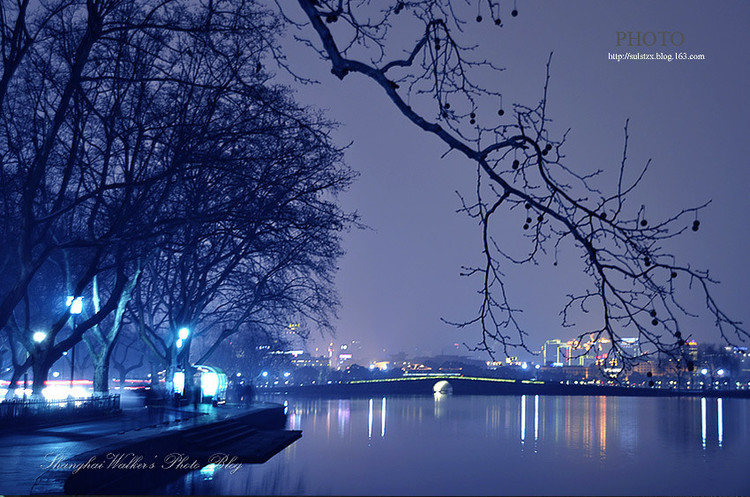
[76,306]
[721,373]
[182,335]
[704,372]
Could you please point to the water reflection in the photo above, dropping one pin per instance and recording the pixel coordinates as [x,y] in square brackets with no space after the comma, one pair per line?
[382,419]
[369,422]
[720,419]
[523,418]
[440,402]
[602,414]
[703,422]
[586,423]
[207,472]
[432,439]
[370,417]
[344,413]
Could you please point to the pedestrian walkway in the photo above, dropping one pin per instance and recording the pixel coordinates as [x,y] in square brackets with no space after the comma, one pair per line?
[26,453]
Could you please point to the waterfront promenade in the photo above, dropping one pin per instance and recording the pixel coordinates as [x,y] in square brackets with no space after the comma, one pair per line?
[38,459]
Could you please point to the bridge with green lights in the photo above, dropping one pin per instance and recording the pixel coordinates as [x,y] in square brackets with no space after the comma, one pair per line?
[463,385]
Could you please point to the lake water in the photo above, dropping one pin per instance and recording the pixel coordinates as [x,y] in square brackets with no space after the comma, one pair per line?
[496,445]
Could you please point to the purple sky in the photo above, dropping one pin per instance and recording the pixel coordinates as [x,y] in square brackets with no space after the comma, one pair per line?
[401,277]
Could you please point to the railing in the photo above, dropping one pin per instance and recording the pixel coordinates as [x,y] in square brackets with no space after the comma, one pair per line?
[21,409]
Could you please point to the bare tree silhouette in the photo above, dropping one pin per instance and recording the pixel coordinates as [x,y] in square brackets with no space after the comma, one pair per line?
[133,129]
[637,286]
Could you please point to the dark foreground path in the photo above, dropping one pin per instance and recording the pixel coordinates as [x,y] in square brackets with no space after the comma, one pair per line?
[124,450]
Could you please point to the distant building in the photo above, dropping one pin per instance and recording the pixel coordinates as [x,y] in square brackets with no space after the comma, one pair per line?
[381,365]
[556,352]
[632,347]
[692,350]
[645,367]
[307,360]
[345,359]
[291,338]
[415,369]
[348,354]
[593,352]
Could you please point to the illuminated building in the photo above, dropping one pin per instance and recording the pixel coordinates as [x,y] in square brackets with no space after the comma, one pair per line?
[556,352]
[692,350]
[344,359]
[381,365]
[631,347]
[348,354]
[596,352]
[307,360]
[645,367]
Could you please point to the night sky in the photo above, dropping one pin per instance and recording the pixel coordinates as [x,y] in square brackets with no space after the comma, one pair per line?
[401,277]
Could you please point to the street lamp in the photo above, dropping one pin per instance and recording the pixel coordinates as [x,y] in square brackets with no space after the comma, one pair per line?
[721,373]
[75,304]
[39,336]
[182,335]
[704,372]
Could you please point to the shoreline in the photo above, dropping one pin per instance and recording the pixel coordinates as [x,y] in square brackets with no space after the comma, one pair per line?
[134,462]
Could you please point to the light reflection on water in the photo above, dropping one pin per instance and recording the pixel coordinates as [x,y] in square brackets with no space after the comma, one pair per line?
[501,445]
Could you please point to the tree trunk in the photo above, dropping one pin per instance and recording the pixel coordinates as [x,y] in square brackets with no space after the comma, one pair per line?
[169,380]
[41,372]
[101,371]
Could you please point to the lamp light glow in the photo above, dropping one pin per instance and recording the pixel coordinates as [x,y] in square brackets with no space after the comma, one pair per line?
[209,383]
[39,336]
[179,382]
[75,304]
[183,333]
